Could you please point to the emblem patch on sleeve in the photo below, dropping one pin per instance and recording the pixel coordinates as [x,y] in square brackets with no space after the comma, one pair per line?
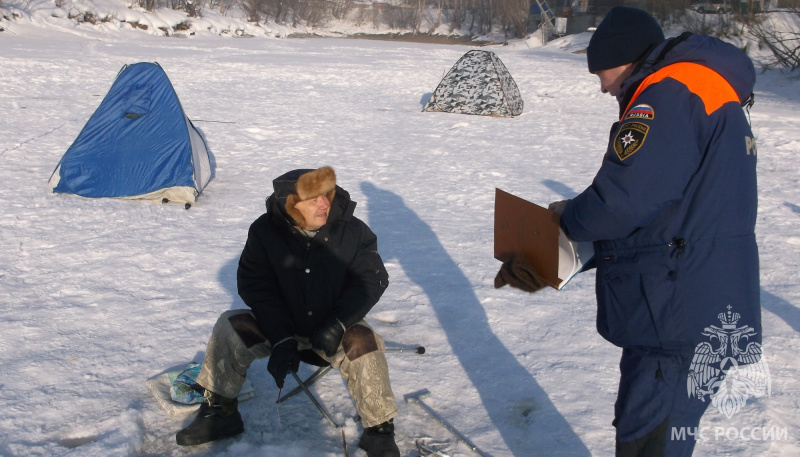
[630,139]
[643,111]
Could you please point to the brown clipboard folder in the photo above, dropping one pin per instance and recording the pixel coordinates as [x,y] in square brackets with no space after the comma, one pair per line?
[527,228]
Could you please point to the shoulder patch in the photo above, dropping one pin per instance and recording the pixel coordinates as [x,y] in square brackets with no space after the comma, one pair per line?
[641,112]
[630,139]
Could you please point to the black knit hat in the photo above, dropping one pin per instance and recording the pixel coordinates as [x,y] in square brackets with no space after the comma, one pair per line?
[624,36]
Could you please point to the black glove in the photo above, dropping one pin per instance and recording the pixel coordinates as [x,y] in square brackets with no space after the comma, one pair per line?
[328,337]
[518,273]
[284,358]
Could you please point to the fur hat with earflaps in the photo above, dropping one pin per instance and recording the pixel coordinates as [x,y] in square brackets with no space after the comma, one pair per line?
[303,184]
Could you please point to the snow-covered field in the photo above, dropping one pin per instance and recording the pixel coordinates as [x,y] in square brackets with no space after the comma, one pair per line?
[97,296]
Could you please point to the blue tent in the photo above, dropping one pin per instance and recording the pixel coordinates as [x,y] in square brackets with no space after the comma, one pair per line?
[138,144]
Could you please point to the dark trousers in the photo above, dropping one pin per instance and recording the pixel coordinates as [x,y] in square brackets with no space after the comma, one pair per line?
[650,445]
[653,402]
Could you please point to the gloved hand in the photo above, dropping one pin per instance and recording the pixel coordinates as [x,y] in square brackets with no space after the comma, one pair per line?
[328,337]
[518,273]
[558,207]
[284,358]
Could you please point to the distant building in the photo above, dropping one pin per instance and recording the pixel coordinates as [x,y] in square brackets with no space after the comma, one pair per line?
[574,16]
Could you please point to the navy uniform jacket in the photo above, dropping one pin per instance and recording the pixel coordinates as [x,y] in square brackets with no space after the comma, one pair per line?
[672,210]
[294,285]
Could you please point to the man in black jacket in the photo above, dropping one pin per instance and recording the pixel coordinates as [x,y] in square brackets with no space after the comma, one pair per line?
[309,272]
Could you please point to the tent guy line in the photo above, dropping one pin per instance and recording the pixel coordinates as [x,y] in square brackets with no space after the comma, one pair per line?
[31,140]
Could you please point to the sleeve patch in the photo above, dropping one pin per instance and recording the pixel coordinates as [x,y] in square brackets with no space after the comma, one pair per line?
[630,139]
[644,112]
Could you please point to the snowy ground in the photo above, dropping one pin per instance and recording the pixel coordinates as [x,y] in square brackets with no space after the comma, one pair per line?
[99,295]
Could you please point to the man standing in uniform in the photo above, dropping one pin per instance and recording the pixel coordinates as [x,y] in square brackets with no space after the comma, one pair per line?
[672,215]
[309,272]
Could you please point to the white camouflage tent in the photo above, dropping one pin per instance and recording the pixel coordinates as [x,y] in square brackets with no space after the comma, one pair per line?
[479,84]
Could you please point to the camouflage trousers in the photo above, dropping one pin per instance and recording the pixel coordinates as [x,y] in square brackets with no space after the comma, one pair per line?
[236,342]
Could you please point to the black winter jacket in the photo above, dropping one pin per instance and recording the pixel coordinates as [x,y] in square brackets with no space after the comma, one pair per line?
[294,285]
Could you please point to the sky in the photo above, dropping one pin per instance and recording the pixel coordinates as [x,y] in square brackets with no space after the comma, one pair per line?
[98,296]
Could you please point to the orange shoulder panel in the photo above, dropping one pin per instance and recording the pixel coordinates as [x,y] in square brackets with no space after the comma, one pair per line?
[702,81]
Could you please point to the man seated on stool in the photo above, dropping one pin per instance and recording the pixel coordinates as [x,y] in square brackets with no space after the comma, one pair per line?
[309,272]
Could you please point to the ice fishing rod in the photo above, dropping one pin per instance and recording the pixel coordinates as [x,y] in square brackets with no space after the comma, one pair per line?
[415,397]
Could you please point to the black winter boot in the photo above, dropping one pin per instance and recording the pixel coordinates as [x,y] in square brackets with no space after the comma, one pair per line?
[217,418]
[378,441]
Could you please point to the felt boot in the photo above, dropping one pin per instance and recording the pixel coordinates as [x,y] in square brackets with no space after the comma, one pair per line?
[217,418]
[378,441]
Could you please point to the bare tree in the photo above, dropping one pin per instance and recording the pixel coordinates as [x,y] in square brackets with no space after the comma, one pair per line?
[719,25]
[780,37]
[253,9]
[402,17]
[189,6]
[435,23]
[514,15]
[339,9]
[149,5]
[458,13]
[223,6]
[279,10]
[482,15]
[360,17]
[313,12]
[420,15]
